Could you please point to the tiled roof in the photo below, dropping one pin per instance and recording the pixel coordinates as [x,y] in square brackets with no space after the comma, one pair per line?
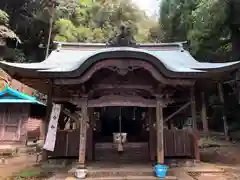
[65,61]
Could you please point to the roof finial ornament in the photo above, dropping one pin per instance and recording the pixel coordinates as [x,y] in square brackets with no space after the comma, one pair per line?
[124,38]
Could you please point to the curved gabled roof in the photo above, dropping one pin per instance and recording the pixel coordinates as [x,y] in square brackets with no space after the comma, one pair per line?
[175,62]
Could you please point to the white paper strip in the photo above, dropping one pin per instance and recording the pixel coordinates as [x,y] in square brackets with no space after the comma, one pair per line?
[52,128]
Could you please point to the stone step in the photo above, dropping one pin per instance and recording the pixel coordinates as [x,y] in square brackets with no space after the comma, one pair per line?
[132,178]
[111,173]
[129,172]
[66,177]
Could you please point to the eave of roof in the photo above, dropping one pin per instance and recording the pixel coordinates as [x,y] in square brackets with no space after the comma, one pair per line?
[173,63]
[9,95]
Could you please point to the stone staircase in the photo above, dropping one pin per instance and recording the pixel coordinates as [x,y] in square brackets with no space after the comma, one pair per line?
[114,171]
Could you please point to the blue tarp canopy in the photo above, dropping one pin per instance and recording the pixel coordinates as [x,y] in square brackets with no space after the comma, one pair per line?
[9,95]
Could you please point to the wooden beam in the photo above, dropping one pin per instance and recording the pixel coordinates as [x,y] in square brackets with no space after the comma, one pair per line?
[123,102]
[104,89]
[118,100]
[122,86]
[196,148]
[74,116]
[90,144]
[193,109]
[83,135]
[204,113]
[159,130]
[4,115]
[177,111]
[152,133]
[225,125]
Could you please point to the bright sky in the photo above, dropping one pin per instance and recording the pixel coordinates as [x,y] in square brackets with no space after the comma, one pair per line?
[150,6]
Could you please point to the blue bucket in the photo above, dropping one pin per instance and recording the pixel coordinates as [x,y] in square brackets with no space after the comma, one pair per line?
[160,170]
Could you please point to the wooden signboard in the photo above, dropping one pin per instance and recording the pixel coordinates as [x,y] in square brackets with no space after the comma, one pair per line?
[52,128]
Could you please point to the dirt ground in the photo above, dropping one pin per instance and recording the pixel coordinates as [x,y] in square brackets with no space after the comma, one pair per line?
[225,158]
[16,164]
[221,155]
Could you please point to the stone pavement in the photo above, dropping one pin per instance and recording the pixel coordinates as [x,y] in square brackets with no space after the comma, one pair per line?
[201,171]
[207,171]
[98,171]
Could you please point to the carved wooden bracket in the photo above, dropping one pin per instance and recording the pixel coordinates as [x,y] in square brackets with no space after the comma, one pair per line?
[122,70]
[123,67]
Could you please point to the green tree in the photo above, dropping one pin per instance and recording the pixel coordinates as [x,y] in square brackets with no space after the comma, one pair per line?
[97,21]
[7,34]
[210,27]
[5,31]
[73,20]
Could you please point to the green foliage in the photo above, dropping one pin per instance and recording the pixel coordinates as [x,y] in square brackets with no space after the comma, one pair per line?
[4,18]
[19,56]
[206,25]
[156,34]
[97,21]
[212,29]
[65,29]
[176,19]
[207,19]
[73,21]
[5,32]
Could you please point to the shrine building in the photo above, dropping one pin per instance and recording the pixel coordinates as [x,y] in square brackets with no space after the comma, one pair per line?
[146,93]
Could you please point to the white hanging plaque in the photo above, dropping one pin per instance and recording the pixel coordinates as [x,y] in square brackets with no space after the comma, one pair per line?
[52,128]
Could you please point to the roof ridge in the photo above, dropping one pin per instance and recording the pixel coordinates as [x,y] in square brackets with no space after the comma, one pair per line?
[104,45]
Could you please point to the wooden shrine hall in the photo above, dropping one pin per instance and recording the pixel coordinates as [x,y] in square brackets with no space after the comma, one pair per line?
[138,91]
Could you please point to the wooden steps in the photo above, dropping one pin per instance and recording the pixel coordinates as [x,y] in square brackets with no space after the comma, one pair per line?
[137,151]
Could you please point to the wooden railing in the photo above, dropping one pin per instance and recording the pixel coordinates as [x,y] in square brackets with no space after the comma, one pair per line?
[67,144]
[179,143]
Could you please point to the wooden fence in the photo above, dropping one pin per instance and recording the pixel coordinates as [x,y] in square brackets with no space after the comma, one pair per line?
[177,143]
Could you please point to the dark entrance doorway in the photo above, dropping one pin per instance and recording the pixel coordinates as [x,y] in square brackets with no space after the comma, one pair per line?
[130,120]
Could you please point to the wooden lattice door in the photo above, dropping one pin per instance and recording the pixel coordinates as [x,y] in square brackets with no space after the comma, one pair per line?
[12,120]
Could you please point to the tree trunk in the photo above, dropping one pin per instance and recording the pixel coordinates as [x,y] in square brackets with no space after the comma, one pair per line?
[235,37]
[233,19]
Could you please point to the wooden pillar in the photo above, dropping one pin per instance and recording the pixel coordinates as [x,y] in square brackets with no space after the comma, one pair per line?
[47,118]
[225,125]
[89,147]
[159,130]
[42,130]
[196,148]
[204,113]
[83,135]
[193,109]
[152,134]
